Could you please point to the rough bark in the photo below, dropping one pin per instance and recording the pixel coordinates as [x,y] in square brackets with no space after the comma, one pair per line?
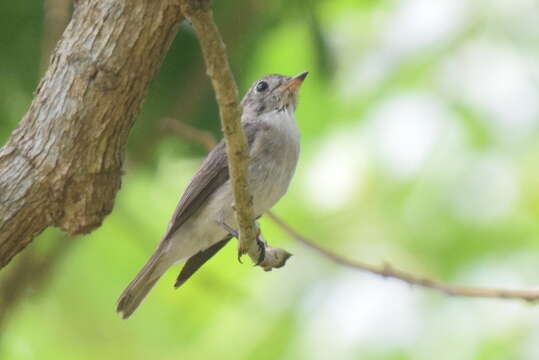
[62,165]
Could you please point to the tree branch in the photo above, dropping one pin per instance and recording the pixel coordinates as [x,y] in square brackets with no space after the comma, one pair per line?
[62,165]
[189,133]
[388,271]
[33,270]
[213,49]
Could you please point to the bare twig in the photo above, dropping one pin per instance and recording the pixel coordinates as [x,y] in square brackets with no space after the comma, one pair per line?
[190,133]
[201,16]
[386,270]
[389,271]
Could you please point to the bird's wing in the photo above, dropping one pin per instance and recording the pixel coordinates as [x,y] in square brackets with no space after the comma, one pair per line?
[210,176]
[196,261]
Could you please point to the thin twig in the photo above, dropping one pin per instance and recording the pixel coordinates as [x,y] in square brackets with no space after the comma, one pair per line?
[388,271]
[200,14]
[190,133]
[213,49]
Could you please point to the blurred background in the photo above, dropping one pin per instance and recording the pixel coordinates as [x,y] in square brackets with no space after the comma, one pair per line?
[420,147]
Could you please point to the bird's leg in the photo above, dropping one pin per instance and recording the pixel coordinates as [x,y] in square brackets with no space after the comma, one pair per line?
[228,229]
[259,239]
[221,222]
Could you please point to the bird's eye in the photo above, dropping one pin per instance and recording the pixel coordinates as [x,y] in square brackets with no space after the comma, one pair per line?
[261,86]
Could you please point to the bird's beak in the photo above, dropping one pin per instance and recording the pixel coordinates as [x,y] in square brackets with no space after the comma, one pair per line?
[293,84]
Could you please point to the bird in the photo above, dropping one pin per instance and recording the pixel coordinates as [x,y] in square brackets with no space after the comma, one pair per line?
[204,217]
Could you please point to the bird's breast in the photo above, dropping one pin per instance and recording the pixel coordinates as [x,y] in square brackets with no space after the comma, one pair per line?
[274,155]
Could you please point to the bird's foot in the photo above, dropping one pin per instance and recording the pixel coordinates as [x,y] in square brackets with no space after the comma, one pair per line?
[262,246]
[260,242]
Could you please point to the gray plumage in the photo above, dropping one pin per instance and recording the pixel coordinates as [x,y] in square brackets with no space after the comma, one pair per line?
[193,233]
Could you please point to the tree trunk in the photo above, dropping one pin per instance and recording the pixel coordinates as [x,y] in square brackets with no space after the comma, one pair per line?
[62,165]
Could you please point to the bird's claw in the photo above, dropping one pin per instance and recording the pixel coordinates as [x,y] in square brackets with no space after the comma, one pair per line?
[241,250]
[262,246]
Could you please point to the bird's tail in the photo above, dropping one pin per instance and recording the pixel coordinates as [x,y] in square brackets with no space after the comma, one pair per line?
[137,290]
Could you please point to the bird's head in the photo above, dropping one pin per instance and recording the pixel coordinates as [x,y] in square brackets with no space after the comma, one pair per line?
[273,93]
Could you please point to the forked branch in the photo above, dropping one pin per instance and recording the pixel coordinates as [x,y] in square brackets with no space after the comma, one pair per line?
[200,14]
[386,270]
